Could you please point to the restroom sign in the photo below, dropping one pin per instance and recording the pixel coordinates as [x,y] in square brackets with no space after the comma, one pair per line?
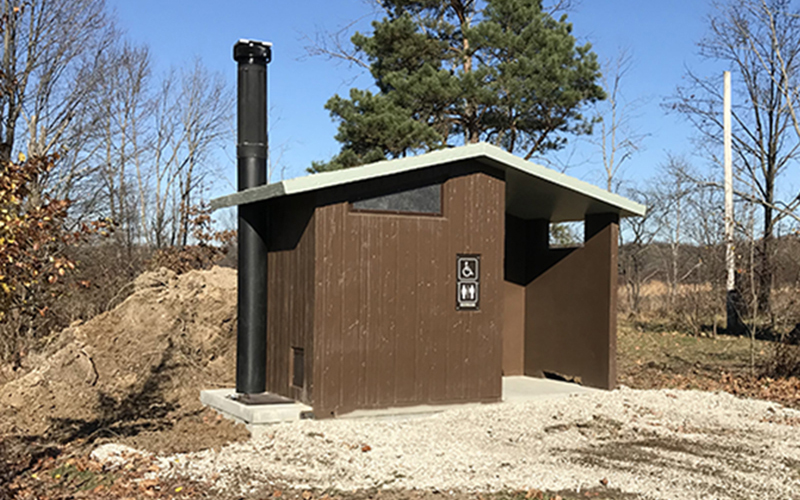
[468,284]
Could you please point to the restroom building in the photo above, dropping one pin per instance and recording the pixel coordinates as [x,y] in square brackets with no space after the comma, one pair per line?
[425,280]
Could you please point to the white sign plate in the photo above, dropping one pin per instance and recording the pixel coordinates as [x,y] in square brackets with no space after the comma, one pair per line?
[468,291]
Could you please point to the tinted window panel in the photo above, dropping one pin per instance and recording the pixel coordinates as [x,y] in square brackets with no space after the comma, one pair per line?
[423,200]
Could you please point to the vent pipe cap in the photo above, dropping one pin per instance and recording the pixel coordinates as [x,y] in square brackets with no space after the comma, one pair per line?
[252,51]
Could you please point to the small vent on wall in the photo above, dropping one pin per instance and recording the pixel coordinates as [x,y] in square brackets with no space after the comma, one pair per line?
[298,367]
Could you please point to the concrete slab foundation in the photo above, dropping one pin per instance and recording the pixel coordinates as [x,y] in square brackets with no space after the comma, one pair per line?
[523,388]
[257,418]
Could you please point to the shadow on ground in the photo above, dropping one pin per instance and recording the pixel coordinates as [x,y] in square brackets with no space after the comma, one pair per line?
[717,468]
[143,409]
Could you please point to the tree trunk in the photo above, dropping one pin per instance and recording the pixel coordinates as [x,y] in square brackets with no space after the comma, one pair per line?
[764,269]
[9,73]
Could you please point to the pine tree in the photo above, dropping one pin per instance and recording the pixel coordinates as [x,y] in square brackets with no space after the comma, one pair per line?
[451,72]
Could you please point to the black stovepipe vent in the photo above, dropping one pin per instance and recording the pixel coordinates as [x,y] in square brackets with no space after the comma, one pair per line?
[251,157]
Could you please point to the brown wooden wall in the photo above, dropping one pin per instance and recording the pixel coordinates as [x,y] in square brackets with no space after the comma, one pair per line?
[514,329]
[570,320]
[525,242]
[387,330]
[290,295]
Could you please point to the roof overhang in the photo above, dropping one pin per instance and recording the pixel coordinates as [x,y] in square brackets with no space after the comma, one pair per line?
[532,191]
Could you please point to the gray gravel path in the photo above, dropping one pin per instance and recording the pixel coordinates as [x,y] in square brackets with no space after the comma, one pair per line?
[659,444]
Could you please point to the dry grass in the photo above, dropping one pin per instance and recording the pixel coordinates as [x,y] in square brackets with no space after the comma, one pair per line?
[673,352]
[699,309]
[655,289]
[668,358]
[689,308]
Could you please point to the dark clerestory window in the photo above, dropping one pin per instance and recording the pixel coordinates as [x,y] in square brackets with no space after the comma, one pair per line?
[422,200]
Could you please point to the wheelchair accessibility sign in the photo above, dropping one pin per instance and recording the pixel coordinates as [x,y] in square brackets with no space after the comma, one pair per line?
[468,291]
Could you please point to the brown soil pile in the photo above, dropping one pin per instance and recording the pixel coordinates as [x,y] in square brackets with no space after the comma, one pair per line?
[133,374]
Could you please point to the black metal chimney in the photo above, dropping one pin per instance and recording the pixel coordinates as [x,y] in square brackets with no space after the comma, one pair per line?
[251,153]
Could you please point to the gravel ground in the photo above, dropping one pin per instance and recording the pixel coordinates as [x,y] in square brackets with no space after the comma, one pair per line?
[659,444]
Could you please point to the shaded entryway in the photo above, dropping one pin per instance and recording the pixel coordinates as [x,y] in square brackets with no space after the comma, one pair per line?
[560,303]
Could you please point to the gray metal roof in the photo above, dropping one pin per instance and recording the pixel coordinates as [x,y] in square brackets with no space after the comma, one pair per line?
[532,191]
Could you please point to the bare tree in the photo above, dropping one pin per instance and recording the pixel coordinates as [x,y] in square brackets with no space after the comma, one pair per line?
[335,45]
[772,15]
[150,149]
[132,147]
[166,156]
[765,59]
[121,112]
[51,66]
[636,238]
[189,119]
[618,140]
[678,243]
[206,105]
[674,187]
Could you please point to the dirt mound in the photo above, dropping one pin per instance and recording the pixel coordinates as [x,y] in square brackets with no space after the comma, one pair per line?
[134,373]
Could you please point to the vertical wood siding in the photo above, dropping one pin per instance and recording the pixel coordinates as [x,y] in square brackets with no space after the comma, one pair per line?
[387,332]
[570,322]
[290,296]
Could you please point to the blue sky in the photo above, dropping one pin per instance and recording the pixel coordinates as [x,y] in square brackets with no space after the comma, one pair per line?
[661,36]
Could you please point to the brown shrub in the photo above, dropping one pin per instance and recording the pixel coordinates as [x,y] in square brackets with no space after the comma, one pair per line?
[101,279]
[189,258]
[33,241]
[783,361]
[784,358]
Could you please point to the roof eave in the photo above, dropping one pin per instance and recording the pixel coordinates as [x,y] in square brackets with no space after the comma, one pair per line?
[486,153]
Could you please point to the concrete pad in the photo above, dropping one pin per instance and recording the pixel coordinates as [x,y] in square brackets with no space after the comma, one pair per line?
[405,412]
[255,417]
[515,389]
[258,417]
[539,389]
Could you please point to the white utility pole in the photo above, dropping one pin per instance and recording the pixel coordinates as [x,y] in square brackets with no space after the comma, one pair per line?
[733,322]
